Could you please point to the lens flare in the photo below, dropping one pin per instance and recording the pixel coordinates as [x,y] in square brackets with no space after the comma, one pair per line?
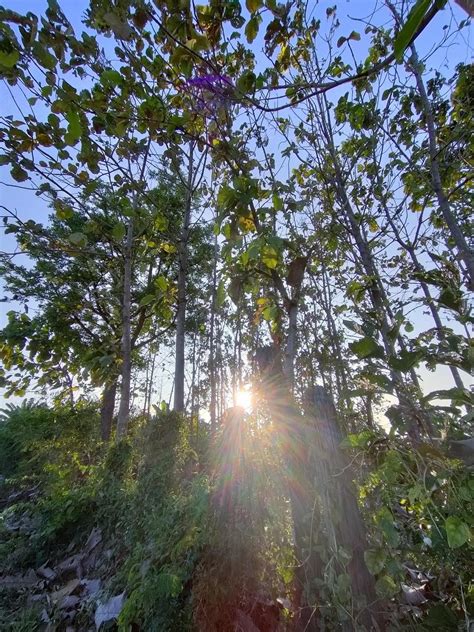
[243,398]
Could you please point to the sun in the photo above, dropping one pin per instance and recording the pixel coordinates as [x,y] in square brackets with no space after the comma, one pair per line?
[243,398]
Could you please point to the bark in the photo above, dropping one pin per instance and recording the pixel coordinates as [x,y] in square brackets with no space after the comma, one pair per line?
[107,409]
[291,342]
[182,287]
[124,409]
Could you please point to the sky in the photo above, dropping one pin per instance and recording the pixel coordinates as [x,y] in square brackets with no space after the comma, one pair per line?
[350,13]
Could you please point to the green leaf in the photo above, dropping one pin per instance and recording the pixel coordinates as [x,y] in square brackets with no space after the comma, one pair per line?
[356,290]
[386,587]
[354,36]
[246,82]
[406,360]
[161,283]
[253,5]
[168,247]
[168,585]
[147,299]
[277,202]
[408,30]
[43,56]
[270,313]
[451,297]
[458,395]
[441,618]
[385,521]
[4,159]
[63,211]
[111,77]
[457,531]
[74,128]
[375,560]
[78,239]
[270,257]
[251,28]
[119,231]
[366,348]
[9,59]
[18,174]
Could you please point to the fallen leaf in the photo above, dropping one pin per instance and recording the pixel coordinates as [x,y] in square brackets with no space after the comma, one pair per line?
[59,595]
[46,572]
[69,602]
[95,538]
[92,586]
[413,595]
[30,578]
[109,610]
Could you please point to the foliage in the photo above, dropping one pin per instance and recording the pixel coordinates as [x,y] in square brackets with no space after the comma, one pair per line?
[334,170]
[420,505]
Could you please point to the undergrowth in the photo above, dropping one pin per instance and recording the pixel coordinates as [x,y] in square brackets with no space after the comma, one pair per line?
[195,531]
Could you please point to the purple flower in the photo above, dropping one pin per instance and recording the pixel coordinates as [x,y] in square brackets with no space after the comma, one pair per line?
[213,83]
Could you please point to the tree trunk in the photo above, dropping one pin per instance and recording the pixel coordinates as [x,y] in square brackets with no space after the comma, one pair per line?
[464,250]
[411,414]
[409,247]
[212,350]
[291,342]
[124,409]
[107,409]
[182,287]
[340,512]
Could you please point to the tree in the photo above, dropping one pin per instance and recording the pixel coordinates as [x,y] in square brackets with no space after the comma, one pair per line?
[78,283]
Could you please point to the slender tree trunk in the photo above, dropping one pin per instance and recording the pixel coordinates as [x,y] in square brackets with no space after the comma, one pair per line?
[107,409]
[406,245]
[193,380]
[291,344]
[464,250]
[124,409]
[339,365]
[369,410]
[149,390]
[147,382]
[212,351]
[70,387]
[125,385]
[412,416]
[182,290]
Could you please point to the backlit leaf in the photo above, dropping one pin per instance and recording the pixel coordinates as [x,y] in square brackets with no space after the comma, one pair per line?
[9,58]
[457,531]
[406,33]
